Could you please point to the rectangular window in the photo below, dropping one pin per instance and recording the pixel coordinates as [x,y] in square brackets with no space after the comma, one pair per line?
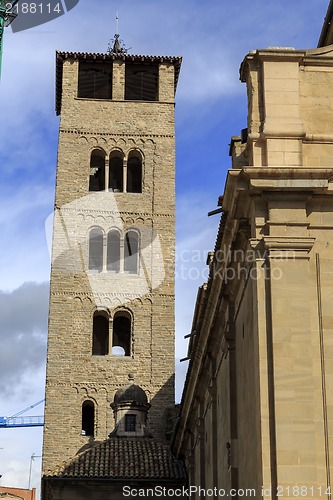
[95,80]
[141,82]
[130,423]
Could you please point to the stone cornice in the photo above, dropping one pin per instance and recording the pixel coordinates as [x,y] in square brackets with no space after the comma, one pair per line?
[256,180]
[314,57]
[67,208]
[270,54]
[290,247]
[318,138]
[78,294]
[110,134]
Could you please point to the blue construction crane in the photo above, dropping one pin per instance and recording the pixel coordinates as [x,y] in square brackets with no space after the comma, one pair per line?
[18,421]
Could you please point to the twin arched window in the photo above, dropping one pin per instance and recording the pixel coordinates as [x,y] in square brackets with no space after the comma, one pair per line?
[122,175]
[121,334]
[114,253]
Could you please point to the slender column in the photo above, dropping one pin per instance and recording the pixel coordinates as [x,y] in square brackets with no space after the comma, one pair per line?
[125,175]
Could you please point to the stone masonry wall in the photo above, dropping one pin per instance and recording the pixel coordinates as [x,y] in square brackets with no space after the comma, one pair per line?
[73,374]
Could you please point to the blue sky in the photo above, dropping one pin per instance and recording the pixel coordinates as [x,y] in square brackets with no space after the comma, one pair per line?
[213,37]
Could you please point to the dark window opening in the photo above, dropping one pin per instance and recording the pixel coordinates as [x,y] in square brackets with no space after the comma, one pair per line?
[134,174]
[113,252]
[100,345]
[97,171]
[116,173]
[95,80]
[122,332]
[88,418]
[96,250]
[131,248]
[130,423]
[141,82]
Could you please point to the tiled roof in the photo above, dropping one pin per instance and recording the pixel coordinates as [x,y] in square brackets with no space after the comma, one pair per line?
[62,56]
[124,458]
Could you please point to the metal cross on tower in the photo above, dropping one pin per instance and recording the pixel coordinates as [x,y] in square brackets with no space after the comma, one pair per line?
[7,15]
[116,46]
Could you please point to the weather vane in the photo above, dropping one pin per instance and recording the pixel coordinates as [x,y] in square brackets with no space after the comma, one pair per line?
[116,45]
[7,15]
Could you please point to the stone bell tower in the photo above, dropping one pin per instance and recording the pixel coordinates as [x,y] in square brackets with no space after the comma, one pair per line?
[111,314]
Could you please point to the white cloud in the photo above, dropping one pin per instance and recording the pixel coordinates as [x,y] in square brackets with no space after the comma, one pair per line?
[23,329]
[15,457]
[24,256]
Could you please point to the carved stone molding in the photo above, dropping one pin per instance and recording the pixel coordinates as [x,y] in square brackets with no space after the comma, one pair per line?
[111,134]
[288,247]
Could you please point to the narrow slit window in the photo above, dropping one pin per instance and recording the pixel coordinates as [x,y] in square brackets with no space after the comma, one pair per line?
[96,250]
[95,80]
[113,252]
[134,173]
[100,344]
[116,174]
[131,250]
[88,418]
[122,332]
[97,171]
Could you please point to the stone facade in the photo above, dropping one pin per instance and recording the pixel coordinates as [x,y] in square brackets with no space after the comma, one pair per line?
[257,408]
[74,375]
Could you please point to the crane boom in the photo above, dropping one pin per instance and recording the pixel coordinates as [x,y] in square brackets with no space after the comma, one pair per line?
[28,408]
[31,421]
[18,421]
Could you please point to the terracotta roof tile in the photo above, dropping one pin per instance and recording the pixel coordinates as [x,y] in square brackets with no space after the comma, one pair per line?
[124,458]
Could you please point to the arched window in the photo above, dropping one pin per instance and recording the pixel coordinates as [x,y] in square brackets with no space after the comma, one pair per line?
[122,332]
[100,343]
[116,166]
[97,171]
[113,252]
[96,249]
[88,418]
[134,172]
[131,251]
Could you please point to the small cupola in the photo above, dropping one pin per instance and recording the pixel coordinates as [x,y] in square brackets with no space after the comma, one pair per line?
[130,407]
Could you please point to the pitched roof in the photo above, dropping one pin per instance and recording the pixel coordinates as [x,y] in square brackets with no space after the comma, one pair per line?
[124,458]
[83,56]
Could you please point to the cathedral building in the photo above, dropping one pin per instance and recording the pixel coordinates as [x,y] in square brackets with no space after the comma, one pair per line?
[257,409]
[110,361]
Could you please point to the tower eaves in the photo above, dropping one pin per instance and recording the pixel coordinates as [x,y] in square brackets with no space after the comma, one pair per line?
[63,56]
